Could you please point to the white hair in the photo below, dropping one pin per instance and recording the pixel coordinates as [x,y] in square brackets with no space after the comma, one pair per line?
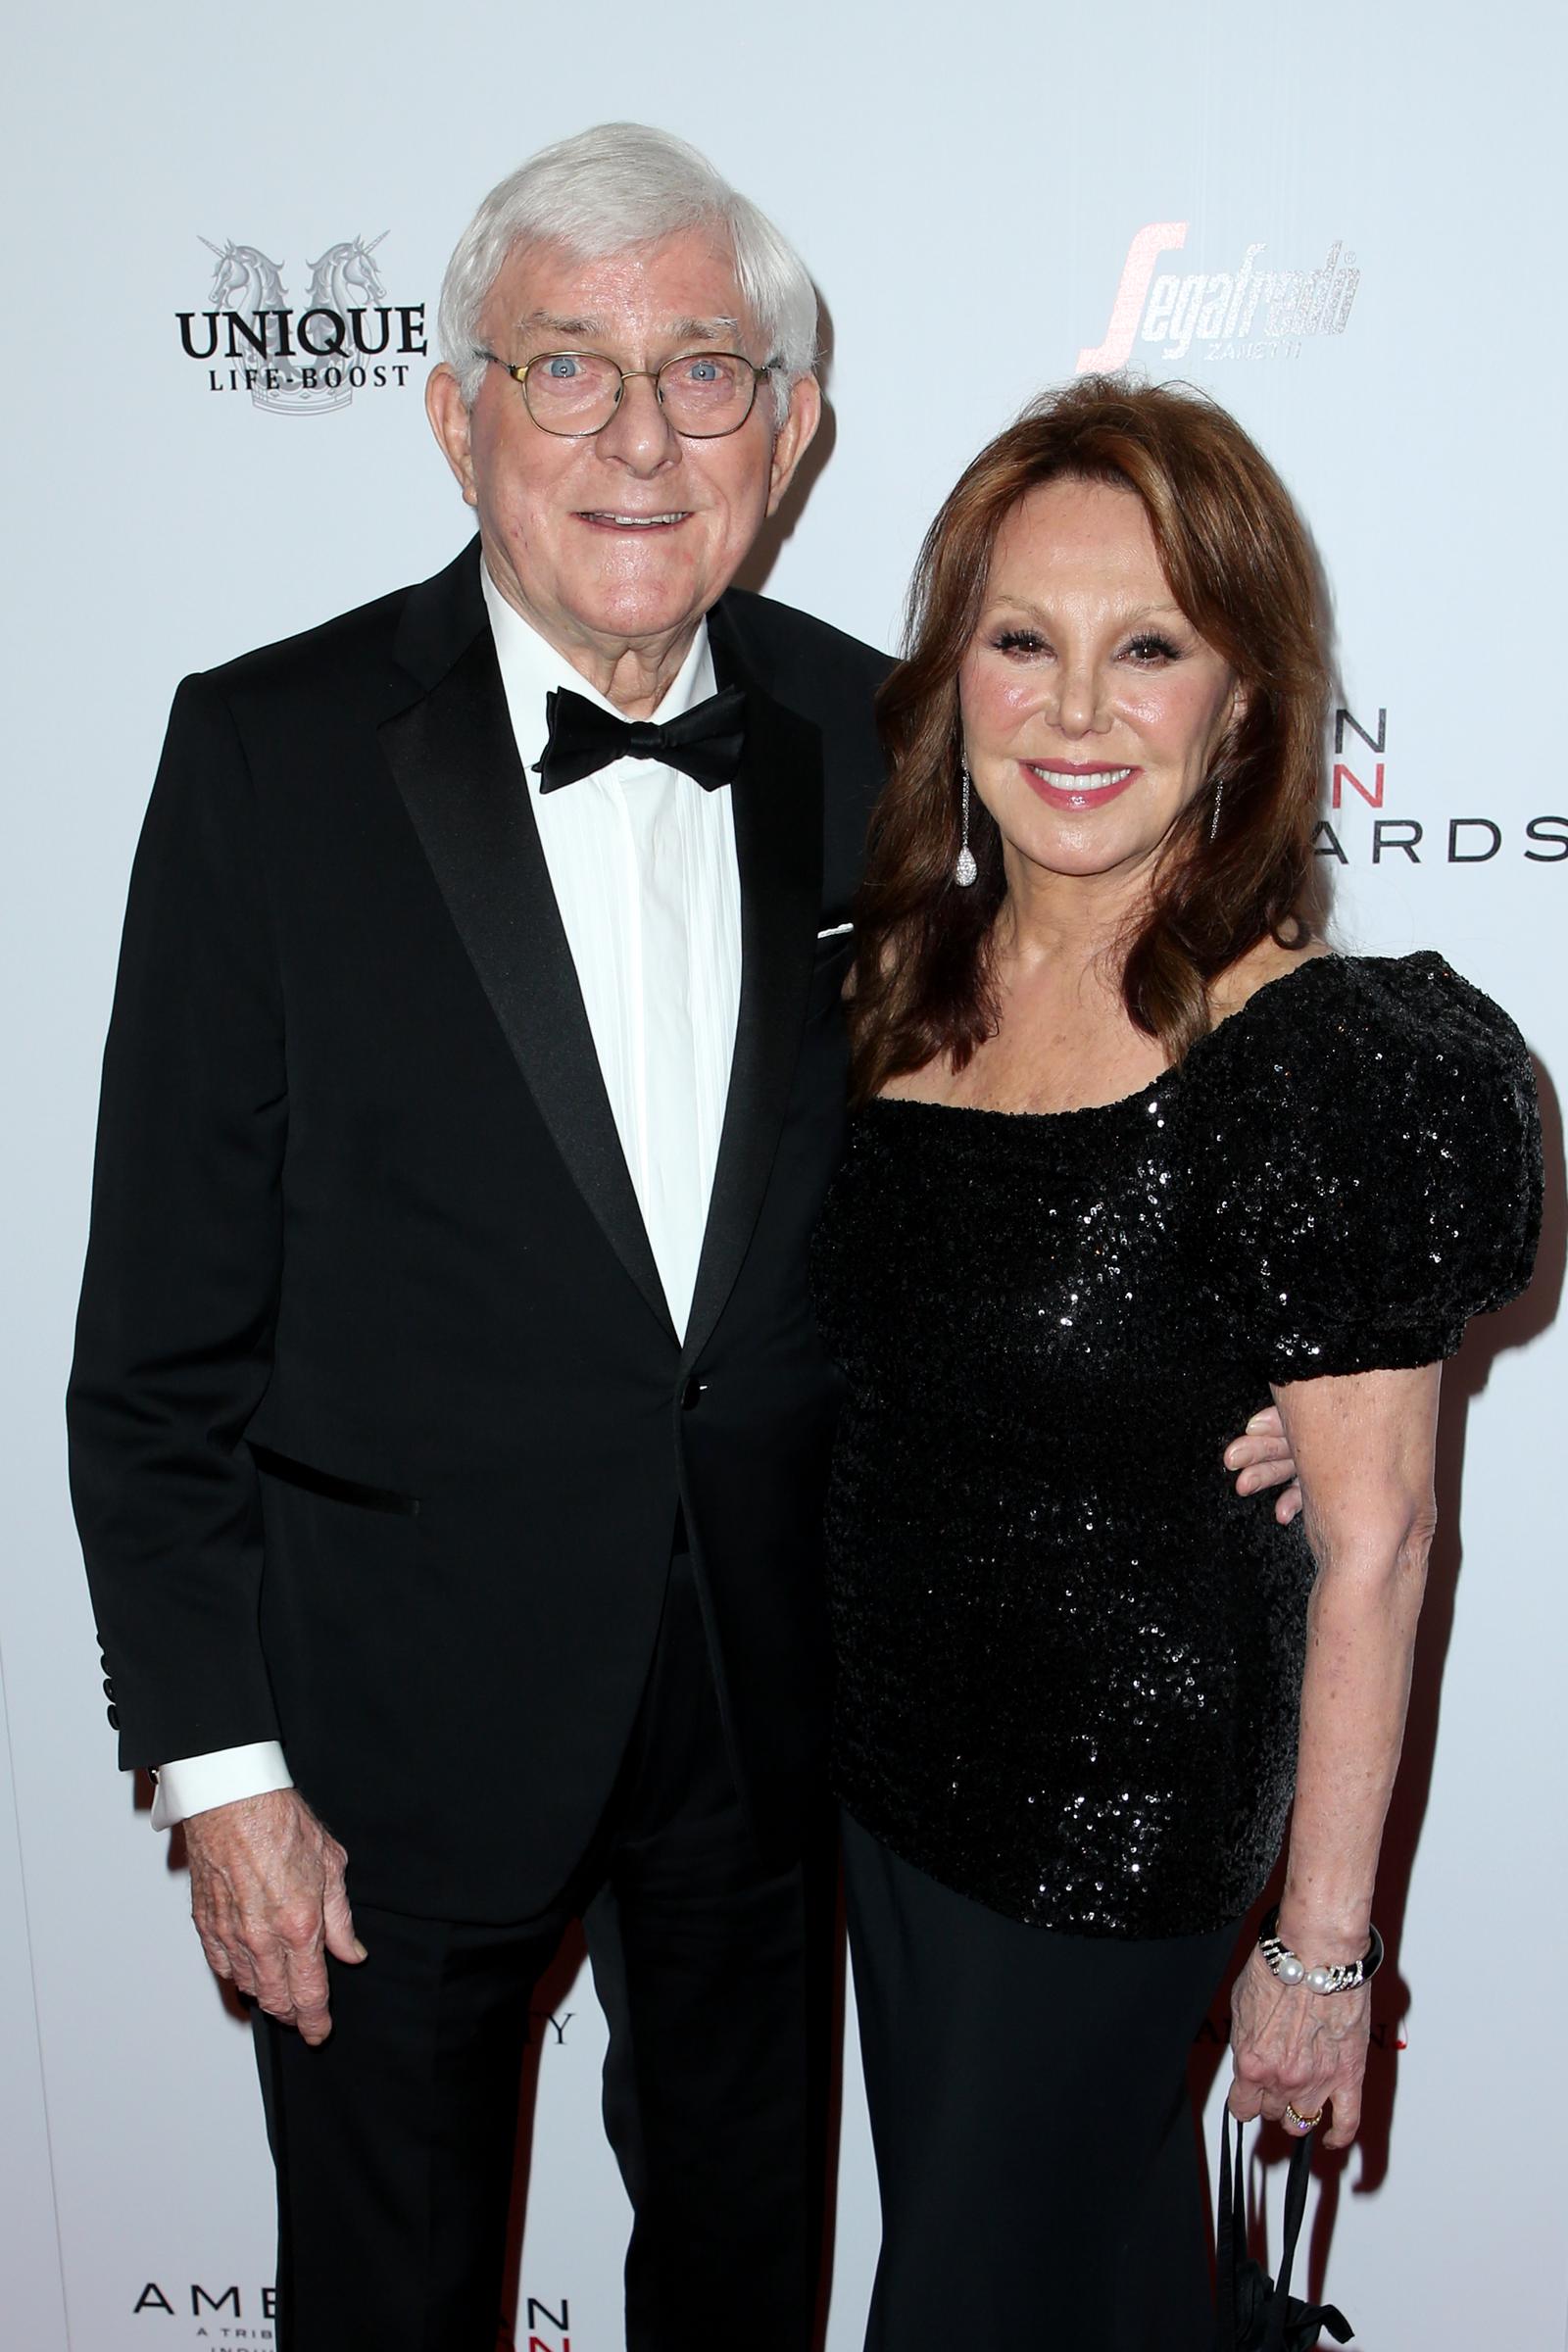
[619,186]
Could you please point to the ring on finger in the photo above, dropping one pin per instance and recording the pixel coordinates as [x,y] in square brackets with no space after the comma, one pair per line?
[1301,2123]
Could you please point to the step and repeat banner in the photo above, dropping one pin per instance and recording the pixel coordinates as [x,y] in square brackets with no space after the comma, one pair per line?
[1335,220]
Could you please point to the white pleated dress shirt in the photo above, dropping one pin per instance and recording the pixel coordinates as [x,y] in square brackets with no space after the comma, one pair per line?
[642,862]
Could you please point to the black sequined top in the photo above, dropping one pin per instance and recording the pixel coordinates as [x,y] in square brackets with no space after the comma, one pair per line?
[1069,1655]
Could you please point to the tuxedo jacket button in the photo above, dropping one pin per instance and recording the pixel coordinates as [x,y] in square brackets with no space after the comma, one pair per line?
[693,1393]
[108,1687]
[112,1714]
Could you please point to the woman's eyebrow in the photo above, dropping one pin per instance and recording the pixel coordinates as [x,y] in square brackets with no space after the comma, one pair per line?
[1000,597]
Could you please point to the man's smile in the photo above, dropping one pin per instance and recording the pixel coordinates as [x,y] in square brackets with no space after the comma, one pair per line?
[607,519]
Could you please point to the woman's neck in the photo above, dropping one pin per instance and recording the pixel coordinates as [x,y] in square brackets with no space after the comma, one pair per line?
[1077,923]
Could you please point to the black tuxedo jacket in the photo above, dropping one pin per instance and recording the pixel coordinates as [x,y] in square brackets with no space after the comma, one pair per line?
[379,1425]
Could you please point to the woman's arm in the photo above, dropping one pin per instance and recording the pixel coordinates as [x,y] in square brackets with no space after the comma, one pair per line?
[1364,1450]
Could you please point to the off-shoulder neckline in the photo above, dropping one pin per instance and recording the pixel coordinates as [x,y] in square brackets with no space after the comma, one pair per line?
[1241,1016]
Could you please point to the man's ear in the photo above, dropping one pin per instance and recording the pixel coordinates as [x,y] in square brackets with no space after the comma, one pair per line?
[448,412]
[793,437]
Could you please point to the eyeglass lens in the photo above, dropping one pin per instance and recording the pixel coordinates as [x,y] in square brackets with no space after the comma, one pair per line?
[703,392]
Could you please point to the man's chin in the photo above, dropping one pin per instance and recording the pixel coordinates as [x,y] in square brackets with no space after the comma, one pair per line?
[644,611]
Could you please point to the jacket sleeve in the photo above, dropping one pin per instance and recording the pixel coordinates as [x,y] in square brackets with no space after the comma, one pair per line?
[173,1337]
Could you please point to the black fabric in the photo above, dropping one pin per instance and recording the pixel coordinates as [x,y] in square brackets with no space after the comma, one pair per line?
[1252,2312]
[360,1202]
[393,2140]
[1035,2145]
[704,742]
[1069,1653]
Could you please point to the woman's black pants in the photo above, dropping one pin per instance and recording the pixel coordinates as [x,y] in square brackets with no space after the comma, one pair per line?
[1035,2145]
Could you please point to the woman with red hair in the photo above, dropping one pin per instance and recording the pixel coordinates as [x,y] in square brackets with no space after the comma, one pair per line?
[1130,1147]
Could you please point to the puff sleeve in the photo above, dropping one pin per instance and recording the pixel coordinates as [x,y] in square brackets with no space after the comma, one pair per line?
[1375,1165]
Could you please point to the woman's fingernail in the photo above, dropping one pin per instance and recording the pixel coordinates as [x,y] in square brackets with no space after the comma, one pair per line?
[359,1949]
[1257,1420]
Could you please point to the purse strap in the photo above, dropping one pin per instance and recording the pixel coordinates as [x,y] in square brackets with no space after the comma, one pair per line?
[1295,2180]
[1230,2247]
[1229,2236]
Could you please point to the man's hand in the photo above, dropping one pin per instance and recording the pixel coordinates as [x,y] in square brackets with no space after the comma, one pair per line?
[1262,1457]
[268,1896]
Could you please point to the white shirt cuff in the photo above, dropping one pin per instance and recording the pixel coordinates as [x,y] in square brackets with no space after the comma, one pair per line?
[195,1784]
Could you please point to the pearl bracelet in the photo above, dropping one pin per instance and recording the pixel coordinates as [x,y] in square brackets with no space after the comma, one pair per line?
[1344,1977]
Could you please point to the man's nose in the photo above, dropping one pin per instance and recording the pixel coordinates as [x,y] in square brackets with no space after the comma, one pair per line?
[639,435]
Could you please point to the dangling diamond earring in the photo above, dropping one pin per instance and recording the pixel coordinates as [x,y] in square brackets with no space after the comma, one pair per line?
[1219,796]
[964,872]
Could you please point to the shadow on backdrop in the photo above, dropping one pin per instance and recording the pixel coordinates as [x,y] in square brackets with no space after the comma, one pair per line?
[779,528]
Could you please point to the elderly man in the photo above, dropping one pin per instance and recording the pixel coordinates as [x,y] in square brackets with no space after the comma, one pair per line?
[448,1420]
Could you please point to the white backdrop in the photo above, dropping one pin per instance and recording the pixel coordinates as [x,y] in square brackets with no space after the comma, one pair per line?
[1333,217]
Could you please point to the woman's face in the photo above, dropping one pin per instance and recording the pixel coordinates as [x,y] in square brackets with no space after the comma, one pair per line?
[1092,707]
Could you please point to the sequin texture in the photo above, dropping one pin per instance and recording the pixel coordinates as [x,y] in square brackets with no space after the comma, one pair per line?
[1069,1655]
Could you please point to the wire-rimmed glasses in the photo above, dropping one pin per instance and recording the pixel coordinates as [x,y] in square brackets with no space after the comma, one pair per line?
[705,394]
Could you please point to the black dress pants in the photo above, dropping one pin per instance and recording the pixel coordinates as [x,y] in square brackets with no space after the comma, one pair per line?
[1035,2148]
[394,2141]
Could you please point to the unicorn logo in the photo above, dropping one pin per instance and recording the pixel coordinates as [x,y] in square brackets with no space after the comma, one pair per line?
[249,284]
[245,279]
[305,362]
[345,277]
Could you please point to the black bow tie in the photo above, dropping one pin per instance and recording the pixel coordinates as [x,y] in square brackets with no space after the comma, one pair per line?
[705,741]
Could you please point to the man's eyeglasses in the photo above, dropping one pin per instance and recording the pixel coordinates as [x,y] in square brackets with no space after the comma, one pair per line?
[705,394]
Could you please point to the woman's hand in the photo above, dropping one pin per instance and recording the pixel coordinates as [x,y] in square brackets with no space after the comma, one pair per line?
[1291,2045]
[1261,1457]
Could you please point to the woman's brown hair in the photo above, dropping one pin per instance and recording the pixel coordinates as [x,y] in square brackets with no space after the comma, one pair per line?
[1240,566]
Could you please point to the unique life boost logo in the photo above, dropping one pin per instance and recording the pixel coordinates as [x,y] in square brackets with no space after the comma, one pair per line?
[305,358]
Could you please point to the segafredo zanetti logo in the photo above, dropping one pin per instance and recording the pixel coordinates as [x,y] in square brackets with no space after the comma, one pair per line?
[1250,311]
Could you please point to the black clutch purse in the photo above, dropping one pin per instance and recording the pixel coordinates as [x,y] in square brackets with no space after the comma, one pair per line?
[1252,2312]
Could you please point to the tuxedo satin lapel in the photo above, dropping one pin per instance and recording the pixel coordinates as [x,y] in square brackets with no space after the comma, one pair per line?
[440,619]
[778,848]
[455,759]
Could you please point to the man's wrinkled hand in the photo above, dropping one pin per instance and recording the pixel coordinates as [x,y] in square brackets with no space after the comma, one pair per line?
[1261,1457]
[270,1902]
